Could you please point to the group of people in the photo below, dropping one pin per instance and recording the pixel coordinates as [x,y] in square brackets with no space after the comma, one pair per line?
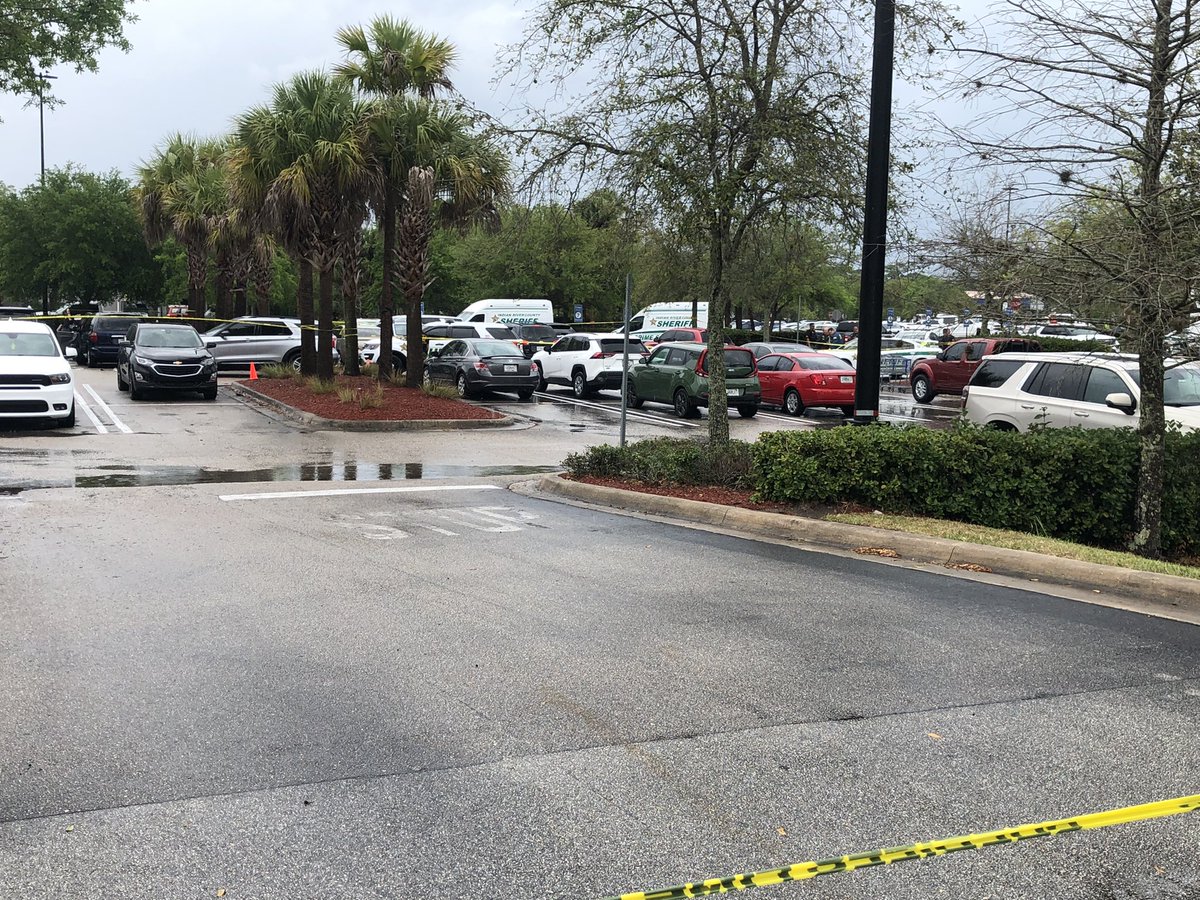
[829,337]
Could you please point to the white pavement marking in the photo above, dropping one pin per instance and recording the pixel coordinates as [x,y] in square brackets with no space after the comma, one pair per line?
[284,495]
[100,429]
[112,416]
[616,410]
[436,530]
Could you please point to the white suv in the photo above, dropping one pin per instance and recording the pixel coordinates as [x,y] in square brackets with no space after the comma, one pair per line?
[35,378]
[586,362]
[1017,391]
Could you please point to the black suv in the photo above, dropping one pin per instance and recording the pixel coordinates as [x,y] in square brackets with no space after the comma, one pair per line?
[165,357]
[96,341]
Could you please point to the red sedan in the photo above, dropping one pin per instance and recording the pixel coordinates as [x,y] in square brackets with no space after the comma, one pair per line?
[794,381]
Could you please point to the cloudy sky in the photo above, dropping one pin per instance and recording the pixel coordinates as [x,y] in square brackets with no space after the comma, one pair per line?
[195,64]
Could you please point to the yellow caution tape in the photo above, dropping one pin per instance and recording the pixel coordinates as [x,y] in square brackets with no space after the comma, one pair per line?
[805,870]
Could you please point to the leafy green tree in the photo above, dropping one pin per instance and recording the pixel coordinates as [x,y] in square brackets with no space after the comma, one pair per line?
[78,236]
[717,113]
[35,36]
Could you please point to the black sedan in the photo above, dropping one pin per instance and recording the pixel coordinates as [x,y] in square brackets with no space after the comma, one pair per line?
[475,366]
[165,357]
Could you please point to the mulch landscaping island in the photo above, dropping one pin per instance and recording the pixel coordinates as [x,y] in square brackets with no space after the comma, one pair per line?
[399,403]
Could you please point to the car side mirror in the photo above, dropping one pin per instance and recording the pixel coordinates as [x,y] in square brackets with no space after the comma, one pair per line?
[1121,401]
[434,354]
[123,343]
[71,353]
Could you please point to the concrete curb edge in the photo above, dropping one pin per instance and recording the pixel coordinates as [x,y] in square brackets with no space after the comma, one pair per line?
[1167,590]
[244,393]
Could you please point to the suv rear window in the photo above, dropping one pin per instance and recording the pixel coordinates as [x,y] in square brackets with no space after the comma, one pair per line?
[617,347]
[502,332]
[538,333]
[994,372]
[114,324]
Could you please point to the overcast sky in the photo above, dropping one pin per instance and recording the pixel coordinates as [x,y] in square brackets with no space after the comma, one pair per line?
[195,64]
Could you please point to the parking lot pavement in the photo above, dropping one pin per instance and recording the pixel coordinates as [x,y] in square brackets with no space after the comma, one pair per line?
[441,689]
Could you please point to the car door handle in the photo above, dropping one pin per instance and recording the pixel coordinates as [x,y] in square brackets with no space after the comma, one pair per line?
[1082,415]
[1031,406]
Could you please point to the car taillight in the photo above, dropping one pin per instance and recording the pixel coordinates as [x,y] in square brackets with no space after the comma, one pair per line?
[964,396]
[597,355]
[700,365]
[480,366]
[817,380]
[94,338]
[533,368]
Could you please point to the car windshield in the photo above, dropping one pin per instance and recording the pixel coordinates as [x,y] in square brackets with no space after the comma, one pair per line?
[26,344]
[825,364]
[1181,384]
[538,333]
[183,338]
[496,348]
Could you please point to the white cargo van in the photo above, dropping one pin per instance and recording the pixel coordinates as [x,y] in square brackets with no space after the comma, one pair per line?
[656,318]
[510,312]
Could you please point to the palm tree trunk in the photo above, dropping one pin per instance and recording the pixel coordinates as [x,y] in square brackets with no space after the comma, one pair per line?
[304,308]
[325,318]
[197,266]
[386,302]
[416,228]
[351,277]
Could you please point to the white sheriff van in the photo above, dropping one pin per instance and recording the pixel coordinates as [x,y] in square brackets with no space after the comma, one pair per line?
[509,312]
[653,320]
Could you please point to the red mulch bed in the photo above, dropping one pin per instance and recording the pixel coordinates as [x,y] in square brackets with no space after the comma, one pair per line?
[399,403]
[710,494]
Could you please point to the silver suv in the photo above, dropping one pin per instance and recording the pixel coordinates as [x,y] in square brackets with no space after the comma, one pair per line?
[255,339]
[1019,391]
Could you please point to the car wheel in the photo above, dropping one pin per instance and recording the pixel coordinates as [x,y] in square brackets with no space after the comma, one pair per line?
[922,390]
[542,383]
[634,401]
[747,412]
[69,420]
[525,393]
[426,379]
[89,361]
[399,363]
[210,393]
[122,384]
[579,384]
[293,360]
[135,393]
[792,404]
[683,404]
[848,412]
[461,384]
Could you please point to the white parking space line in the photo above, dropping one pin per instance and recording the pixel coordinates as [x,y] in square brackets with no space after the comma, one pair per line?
[340,492]
[100,429]
[617,411]
[112,416]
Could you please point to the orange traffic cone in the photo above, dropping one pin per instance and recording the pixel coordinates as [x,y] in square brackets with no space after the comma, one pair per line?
[253,373]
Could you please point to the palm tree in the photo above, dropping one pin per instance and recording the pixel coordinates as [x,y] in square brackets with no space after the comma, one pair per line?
[303,157]
[450,171]
[392,59]
[179,190]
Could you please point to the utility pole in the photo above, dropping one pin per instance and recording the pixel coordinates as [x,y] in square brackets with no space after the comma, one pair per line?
[42,79]
[870,295]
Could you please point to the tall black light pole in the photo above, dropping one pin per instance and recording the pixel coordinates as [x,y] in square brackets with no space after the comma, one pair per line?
[879,139]
[42,78]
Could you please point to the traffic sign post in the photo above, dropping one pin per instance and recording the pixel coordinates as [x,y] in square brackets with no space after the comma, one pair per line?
[578,312]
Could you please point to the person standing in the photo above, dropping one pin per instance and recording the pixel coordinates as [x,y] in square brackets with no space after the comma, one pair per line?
[811,337]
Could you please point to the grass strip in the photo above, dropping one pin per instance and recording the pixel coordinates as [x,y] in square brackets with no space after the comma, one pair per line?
[1014,540]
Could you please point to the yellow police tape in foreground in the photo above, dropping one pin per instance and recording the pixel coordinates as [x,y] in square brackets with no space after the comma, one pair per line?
[806,870]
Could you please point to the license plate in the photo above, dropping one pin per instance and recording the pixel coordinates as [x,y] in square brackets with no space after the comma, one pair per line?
[510,368]
[847,379]
[733,392]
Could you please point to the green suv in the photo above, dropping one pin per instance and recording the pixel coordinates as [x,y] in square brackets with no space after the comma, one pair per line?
[675,374]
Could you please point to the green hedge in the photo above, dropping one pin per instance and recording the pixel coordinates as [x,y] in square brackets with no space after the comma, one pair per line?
[667,461]
[1069,483]
[1063,345]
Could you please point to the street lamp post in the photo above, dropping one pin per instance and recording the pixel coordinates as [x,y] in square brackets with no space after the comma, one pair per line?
[42,79]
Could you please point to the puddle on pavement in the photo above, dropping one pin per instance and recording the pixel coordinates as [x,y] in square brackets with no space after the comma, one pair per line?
[159,476]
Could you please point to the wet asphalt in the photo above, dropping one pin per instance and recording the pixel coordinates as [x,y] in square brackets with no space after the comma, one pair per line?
[223,671]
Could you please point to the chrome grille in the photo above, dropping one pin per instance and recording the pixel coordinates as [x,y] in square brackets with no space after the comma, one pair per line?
[168,371]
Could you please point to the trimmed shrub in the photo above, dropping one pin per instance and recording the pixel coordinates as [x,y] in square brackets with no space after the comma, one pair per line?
[1063,345]
[667,461]
[1070,483]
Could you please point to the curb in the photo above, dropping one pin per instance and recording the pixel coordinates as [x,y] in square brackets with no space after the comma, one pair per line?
[244,393]
[1172,591]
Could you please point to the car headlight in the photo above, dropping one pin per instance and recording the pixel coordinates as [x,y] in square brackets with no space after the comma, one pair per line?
[209,363]
[142,361]
[60,378]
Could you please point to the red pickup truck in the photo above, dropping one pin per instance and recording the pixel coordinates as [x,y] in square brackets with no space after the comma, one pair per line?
[950,370]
